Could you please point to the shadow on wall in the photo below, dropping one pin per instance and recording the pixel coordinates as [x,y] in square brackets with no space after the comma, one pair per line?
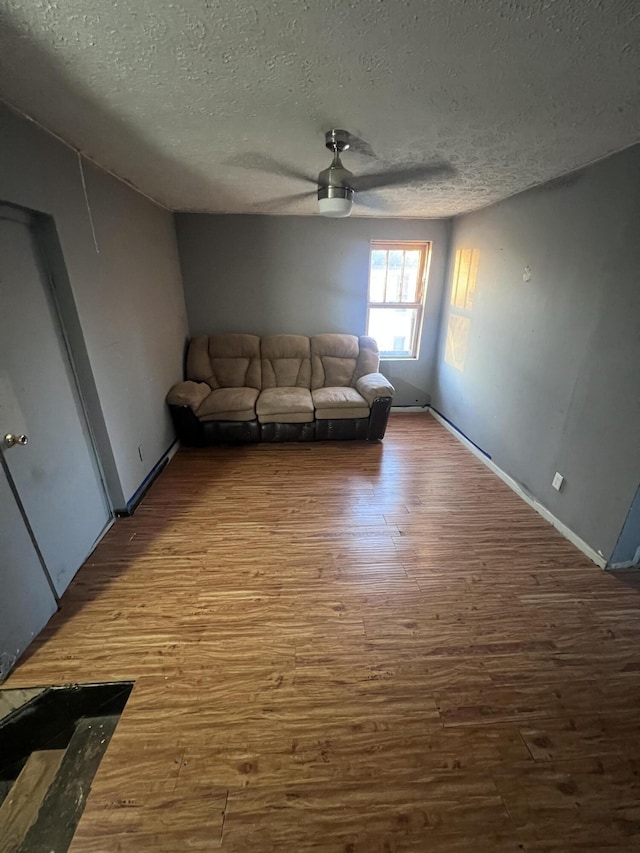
[273,274]
[68,109]
[410,394]
[330,267]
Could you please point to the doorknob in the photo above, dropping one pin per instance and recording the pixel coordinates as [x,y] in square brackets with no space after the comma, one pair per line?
[10,439]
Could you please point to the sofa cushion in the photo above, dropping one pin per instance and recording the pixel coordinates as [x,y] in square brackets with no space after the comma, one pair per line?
[188,394]
[285,406]
[339,402]
[368,358]
[225,361]
[374,385]
[286,361]
[342,414]
[229,404]
[198,362]
[333,360]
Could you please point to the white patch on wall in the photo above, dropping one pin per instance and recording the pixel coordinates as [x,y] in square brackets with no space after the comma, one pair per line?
[457,337]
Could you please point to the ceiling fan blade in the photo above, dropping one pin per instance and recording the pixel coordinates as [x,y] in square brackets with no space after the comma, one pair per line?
[360,146]
[372,201]
[402,175]
[262,163]
[283,201]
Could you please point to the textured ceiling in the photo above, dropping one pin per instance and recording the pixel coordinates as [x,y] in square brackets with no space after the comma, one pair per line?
[186,98]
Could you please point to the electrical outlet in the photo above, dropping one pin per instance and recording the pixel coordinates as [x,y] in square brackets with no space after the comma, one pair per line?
[140,453]
[557,481]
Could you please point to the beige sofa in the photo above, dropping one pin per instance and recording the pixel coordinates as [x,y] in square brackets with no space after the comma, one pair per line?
[242,388]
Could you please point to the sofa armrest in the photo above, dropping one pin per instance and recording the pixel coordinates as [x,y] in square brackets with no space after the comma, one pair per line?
[188,394]
[372,386]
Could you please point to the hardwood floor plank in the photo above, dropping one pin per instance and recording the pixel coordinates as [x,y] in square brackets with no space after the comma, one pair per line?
[352,647]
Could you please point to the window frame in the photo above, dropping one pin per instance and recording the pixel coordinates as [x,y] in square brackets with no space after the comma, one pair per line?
[424,247]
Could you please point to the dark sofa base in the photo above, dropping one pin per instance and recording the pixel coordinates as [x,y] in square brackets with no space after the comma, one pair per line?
[195,433]
[288,432]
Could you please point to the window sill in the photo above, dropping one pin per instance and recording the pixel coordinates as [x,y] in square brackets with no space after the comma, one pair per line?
[398,358]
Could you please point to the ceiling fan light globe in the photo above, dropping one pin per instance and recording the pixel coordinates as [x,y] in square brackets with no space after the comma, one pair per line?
[335,201]
[335,207]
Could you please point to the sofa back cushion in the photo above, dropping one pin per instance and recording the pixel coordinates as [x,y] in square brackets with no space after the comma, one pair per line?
[225,361]
[368,358]
[333,360]
[286,361]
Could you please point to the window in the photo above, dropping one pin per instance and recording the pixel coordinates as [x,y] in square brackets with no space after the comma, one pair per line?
[397,286]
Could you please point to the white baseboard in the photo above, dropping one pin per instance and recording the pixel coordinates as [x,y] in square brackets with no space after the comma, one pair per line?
[175,447]
[408,409]
[562,528]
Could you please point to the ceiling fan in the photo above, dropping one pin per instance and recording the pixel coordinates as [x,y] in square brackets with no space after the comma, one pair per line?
[336,186]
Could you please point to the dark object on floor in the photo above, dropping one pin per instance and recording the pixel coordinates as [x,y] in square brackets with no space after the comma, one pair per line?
[50,749]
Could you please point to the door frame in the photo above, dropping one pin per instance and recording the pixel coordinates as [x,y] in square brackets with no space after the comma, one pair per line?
[49,257]
[27,524]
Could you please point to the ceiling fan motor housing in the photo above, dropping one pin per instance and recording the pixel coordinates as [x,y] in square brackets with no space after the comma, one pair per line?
[335,193]
[337,140]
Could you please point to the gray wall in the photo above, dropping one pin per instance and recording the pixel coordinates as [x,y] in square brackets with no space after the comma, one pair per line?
[627,550]
[123,302]
[551,378]
[304,275]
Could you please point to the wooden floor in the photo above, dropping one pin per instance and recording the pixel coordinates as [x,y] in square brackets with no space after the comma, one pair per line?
[352,647]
